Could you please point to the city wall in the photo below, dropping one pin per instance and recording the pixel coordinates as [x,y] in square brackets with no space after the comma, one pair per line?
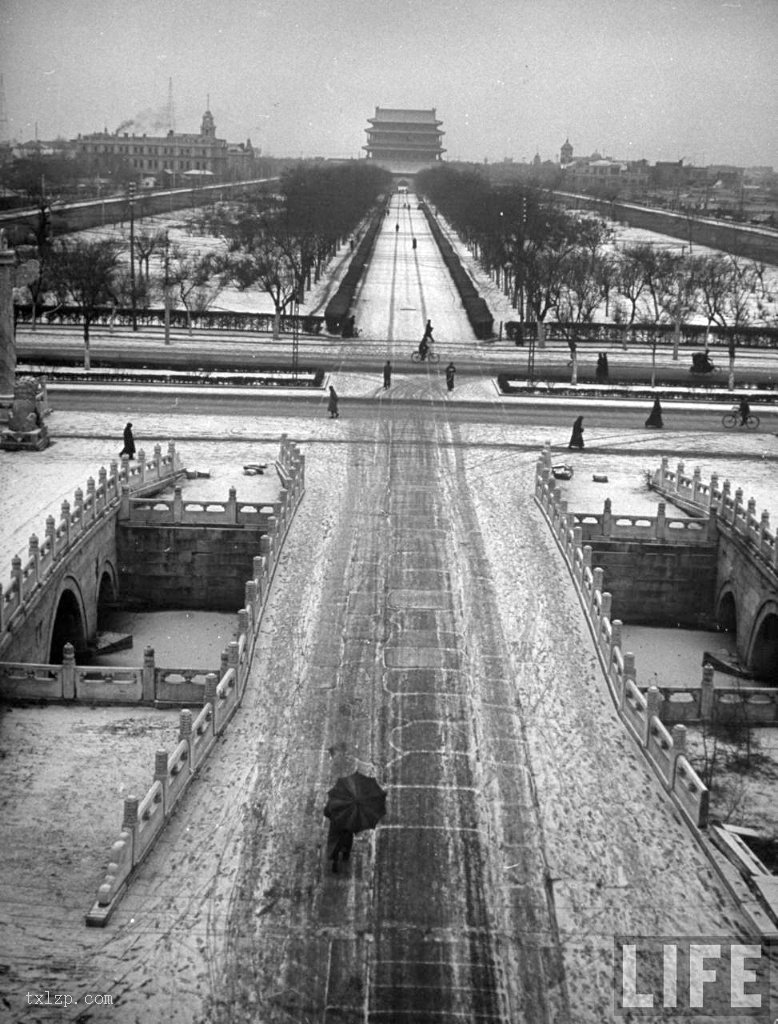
[749,242]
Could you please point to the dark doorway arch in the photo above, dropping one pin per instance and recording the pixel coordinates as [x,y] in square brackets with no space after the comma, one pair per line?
[68,628]
[726,616]
[106,600]
[764,650]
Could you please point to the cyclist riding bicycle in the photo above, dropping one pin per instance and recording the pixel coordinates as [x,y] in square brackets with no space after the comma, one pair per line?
[423,348]
[744,411]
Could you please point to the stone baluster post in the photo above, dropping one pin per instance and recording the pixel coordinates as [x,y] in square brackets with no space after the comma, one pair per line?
[232,506]
[696,480]
[663,471]
[91,498]
[258,569]
[161,775]
[17,578]
[679,471]
[577,537]
[142,465]
[102,482]
[158,459]
[250,596]
[34,555]
[78,506]
[224,664]
[607,600]
[660,524]
[178,504]
[211,682]
[653,704]
[125,509]
[243,622]
[130,820]
[678,732]
[68,672]
[607,524]
[616,632]
[724,500]
[764,533]
[706,693]
[185,725]
[65,521]
[737,507]
[124,472]
[713,495]
[149,676]
[51,536]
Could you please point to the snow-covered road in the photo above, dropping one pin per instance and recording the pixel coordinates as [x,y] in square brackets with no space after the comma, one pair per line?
[422,628]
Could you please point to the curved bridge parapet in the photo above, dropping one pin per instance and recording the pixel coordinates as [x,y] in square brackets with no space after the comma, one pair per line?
[79,522]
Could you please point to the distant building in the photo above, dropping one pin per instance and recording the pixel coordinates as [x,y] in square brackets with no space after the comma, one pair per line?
[566,153]
[404,141]
[177,157]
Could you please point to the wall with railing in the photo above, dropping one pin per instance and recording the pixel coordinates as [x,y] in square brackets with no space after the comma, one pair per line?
[714,498]
[214,704]
[101,500]
[665,751]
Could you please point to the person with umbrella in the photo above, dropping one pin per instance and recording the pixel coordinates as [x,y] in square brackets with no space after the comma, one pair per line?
[355,803]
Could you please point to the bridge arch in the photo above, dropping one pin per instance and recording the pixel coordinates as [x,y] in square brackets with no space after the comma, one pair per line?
[107,592]
[69,622]
[763,643]
[726,609]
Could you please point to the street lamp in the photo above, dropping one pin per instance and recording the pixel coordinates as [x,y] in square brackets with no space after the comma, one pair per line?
[131,196]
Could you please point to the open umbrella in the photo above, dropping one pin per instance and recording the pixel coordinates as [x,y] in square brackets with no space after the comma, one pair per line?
[356,802]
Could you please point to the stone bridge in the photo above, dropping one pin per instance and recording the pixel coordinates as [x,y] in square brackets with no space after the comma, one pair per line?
[57,593]
[746,589]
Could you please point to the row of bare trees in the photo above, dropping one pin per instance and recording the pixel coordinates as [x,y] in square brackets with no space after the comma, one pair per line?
[558,265]
[273,244]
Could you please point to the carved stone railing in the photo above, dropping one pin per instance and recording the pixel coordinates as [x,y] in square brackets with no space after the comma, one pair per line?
[218,695]
[716,500]
[101,499]
[665,751]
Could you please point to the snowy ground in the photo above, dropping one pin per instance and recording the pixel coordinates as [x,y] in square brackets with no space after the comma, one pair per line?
[231,917]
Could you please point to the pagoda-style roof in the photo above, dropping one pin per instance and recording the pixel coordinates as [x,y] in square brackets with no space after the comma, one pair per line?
[404,117]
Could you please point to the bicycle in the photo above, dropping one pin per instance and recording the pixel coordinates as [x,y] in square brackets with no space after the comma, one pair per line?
[431,357]
[732,419]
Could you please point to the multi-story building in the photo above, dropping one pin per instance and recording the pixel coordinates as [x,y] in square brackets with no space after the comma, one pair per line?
[404,141]
[174,158]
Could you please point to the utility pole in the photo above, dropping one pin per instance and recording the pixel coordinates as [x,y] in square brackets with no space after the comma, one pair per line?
[131,191]
[167,288]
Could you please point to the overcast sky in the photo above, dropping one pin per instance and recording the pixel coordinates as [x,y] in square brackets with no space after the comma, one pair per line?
[660,79]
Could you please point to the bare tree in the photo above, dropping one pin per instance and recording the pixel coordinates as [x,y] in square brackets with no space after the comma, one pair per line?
[727,290]
[86,271]
[195,277]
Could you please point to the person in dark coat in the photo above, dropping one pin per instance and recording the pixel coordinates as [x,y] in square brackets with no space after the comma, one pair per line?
[332,405]
[450,371]
[129,443]
[655,416]
[576,439]
[428,332]
[339,843]
[387,374]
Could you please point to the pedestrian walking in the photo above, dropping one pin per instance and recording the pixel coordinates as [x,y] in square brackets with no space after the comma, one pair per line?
[414,243]
[450,371]
[339,843]
[601,373]
[576,438]
[396,228]
[332,405]
[655,416]
[387,374]
[129,443]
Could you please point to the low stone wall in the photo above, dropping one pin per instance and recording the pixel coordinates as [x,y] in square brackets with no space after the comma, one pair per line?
[665,751]
[144,818]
